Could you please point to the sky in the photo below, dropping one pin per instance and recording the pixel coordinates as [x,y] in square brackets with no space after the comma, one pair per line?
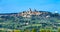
[15,6]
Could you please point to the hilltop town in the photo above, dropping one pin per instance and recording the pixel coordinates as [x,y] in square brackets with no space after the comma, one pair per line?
[30,19]
[27,13]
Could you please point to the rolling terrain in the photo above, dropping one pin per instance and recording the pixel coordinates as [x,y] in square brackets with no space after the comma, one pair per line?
[27,20]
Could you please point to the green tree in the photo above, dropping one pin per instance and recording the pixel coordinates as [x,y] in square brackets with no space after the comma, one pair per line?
[59,30]
[43,30]
[17,31]
[34,30]
[27,30]
[48,30]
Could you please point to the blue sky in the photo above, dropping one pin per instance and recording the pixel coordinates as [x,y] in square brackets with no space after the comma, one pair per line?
[13,6]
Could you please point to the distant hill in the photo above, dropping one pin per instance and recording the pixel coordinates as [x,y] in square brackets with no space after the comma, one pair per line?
[29,13]
[30,19]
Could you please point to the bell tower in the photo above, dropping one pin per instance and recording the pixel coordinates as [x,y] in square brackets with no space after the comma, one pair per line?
[29,9]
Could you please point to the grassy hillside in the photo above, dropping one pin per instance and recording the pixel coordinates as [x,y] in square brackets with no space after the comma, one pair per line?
[43,22]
